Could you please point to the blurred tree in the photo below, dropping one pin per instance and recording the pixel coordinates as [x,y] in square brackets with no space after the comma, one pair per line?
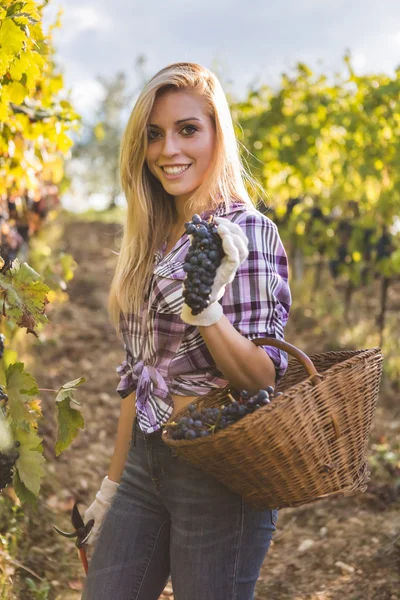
[99,149]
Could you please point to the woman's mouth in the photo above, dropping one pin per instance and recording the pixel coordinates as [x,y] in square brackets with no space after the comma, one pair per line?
[174,172]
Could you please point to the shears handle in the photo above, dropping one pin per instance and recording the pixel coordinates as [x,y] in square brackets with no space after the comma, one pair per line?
[83,557]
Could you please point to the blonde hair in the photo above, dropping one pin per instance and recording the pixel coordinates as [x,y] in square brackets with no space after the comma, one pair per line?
[151,210]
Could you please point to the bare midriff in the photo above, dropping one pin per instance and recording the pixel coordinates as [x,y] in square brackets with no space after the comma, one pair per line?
[180,402]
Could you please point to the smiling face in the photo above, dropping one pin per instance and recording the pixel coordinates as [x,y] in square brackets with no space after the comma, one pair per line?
[181,143]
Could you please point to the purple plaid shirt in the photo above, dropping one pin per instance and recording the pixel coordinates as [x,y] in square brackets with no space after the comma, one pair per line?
[166,356]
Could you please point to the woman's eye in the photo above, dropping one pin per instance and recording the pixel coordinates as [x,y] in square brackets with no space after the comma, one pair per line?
[190,127]
[150,134]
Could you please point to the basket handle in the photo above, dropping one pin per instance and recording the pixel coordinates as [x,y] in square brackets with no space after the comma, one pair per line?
[295,352]
[307,363]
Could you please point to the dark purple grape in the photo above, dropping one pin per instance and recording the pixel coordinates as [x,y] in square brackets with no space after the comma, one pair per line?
[190,228]
[202,231]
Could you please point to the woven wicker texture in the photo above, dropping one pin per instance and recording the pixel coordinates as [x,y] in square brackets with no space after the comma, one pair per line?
[307,444]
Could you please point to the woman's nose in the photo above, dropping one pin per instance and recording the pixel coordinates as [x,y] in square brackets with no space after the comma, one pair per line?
[171,144]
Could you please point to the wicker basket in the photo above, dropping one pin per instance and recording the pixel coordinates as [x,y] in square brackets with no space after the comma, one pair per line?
[308,443]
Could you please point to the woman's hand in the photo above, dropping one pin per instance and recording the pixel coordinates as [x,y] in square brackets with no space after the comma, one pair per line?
[235,245]
[99,507]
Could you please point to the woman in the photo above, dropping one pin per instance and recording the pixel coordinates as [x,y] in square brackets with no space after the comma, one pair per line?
[158,515]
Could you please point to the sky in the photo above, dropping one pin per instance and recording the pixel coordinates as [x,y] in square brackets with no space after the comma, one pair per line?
[243,41]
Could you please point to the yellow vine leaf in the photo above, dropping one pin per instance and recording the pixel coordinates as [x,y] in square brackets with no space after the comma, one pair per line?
[11,38]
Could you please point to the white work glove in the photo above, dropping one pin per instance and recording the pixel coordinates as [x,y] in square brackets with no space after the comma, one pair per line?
[99,507]
[235,245]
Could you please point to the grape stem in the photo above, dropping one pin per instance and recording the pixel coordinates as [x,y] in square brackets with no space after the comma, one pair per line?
[46,390]
[217,420]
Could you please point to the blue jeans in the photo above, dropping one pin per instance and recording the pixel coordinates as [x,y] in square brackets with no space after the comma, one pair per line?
[169,518]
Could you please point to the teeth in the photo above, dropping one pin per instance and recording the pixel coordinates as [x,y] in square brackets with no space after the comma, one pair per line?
[175,170]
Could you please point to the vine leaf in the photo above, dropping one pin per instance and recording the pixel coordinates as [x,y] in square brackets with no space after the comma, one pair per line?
[24,296]
[30,461]
[70,420]
[21,387]
[23,492]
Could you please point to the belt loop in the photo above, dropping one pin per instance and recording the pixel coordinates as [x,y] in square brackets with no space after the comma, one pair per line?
[134,431]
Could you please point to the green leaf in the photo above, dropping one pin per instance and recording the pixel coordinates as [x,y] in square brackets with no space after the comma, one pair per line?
[25,296]
[20,386]
[22,491]
[30,461]
[69,419]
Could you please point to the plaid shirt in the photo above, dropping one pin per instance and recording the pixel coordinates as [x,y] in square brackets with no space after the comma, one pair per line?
[166,356]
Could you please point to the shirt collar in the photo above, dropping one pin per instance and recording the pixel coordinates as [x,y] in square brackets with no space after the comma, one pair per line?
[220,211]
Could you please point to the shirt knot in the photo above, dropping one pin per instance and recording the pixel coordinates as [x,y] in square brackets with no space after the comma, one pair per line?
[149,382]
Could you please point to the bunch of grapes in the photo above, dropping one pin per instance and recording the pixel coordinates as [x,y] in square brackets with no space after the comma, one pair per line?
[206,421]
[201,263]
[7,462]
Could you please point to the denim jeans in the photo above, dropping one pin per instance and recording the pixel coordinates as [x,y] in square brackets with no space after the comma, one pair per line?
[171,519]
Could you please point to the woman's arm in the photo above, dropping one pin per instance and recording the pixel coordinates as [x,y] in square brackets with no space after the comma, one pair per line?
[255,301]
[242,363]
[124,434]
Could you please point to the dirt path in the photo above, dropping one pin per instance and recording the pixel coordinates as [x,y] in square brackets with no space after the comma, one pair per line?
[334,549]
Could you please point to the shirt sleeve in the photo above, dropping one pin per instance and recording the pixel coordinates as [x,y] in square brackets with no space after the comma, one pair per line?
[257,302]
[127,383]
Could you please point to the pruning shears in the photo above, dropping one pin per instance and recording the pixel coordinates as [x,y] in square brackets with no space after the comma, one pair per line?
[81,533]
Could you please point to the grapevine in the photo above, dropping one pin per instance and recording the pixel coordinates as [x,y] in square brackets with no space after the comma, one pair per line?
[330,154]
[35,126]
